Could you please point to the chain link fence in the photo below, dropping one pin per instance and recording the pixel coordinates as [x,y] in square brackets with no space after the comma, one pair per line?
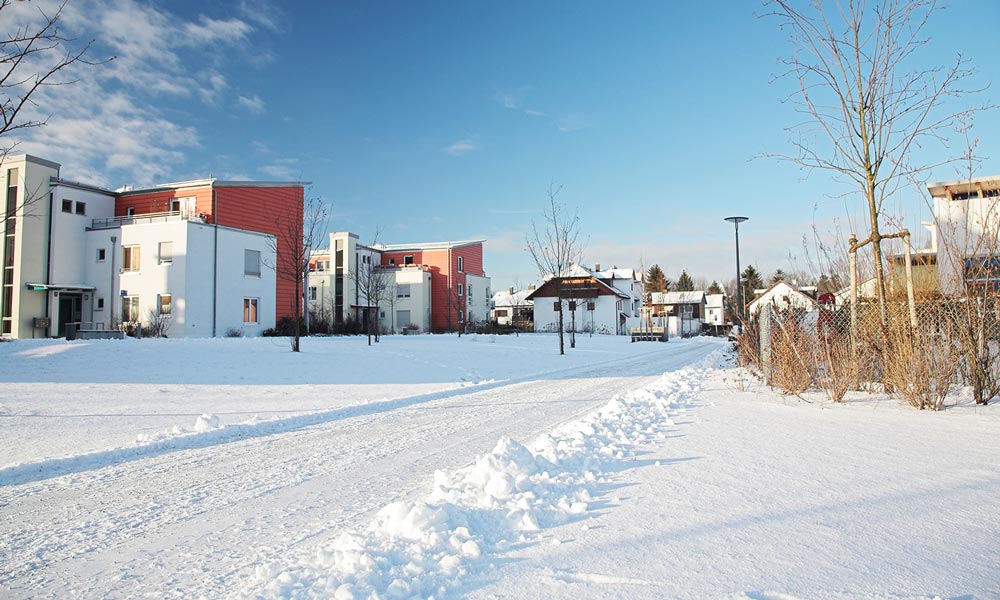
[917,357]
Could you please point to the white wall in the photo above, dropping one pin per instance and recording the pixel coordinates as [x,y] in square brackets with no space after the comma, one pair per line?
[477,298]
[233,285]
[419,302]
[603,319]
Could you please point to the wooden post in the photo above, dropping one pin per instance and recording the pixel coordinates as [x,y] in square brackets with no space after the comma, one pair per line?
[854,290]
[911,301]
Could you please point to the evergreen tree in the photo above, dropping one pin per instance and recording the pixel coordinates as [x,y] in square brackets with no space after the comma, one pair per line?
[715,288]
[656,281]
[685,283]
[779,275]
[750,280]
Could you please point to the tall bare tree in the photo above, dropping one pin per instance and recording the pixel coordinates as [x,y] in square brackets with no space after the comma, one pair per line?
[300,228]
[867,102]
[34,55]
[555,246]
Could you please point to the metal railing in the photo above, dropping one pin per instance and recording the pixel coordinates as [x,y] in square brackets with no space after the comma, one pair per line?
[160,217]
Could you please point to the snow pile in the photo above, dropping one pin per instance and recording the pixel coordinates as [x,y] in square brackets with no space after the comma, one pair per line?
[204,424]
[511,495]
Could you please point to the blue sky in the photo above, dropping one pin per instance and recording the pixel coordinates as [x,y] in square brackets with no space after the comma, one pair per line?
[449,120]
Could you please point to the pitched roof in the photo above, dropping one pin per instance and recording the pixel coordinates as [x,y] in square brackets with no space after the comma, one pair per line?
[505,298]
[677,297]
[715,300]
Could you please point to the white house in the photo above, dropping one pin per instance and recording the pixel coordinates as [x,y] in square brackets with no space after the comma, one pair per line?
[512,307]
[715,309]
[684,311]
[782,295]
[606,302]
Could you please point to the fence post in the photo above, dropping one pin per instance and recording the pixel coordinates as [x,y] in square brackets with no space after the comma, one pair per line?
[764,341]
[909,280]
[854,291]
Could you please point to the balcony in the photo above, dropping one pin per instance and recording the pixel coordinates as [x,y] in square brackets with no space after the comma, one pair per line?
[160,217]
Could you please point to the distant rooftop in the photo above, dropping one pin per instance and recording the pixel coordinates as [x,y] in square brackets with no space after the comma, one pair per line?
[196,183]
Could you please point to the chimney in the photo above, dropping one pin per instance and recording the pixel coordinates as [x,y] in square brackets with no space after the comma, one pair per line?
[597,266]
[512,291]
[531,287]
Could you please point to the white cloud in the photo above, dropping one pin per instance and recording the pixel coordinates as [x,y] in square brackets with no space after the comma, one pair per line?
[283,169]
[571,123]
[253,104]
[463,146]
[108,127]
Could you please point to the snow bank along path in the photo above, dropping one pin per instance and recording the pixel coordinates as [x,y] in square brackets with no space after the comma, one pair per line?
[424,548]
[201,516]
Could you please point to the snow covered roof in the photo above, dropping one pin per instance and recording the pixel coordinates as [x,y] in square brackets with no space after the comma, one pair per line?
[782,294]
[677,297]
[617,274]
[715,300]
[506,298]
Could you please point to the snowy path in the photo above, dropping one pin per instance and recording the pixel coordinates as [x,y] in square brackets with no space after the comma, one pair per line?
[198,519]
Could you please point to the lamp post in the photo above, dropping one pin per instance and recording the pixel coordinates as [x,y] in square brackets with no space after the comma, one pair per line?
[739,288]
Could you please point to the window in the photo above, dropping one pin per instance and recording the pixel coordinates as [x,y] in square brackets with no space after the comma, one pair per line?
[392,261]
[130,309]
[165,304]
[461,290]
[81,208]
[175,206]
[130,258]
[250,311]
[408,259]
[251,264]
[461,265]
[461,316]
[166,253]
[403,290]
[590,306]
[99,304]
[67,206]
[100,254]
[501,312]
[555,306]
[687,311]
[312,292]
[131,211]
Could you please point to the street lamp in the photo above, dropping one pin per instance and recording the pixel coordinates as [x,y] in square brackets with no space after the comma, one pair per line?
[739,288]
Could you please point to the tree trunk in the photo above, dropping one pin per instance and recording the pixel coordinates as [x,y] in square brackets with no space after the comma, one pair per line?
[562,349]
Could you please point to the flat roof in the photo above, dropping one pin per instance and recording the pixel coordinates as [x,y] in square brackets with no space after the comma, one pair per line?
[426,246]
[197,183]
[940,189]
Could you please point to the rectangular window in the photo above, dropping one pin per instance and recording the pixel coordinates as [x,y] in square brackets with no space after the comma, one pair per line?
[130,309]
[251,263]
[461,265]
[175,206]
[130,211]
[166,252]
[312,292]
[392,261]
[590,306]
[101,254]
[99,304]
[250,311]
[403,290]
[81,208]
[130,258]
[461,316]
[555,306]
[501,312]
[461,289]
[165,303]
[408,259]
[67,206]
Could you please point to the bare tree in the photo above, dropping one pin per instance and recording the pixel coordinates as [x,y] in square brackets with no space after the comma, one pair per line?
[34,55]
[555,247]
[862,95]
[300,229]
[372,281]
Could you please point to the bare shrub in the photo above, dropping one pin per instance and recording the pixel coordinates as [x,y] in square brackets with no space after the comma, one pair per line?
[839,368]
[748,345]
[793,352]
[157,326]
[234,332]
[920,363]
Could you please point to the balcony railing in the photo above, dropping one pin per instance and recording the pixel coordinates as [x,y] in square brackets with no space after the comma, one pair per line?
[160,217]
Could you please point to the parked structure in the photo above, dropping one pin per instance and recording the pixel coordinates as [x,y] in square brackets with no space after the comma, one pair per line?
[715,310]
[192,256]
[684,311]
[438,286]
[593,300]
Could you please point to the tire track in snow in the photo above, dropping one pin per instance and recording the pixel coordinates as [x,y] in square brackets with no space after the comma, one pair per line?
[197,498]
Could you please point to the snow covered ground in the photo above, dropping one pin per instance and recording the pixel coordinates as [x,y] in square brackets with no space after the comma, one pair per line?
[481,467]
